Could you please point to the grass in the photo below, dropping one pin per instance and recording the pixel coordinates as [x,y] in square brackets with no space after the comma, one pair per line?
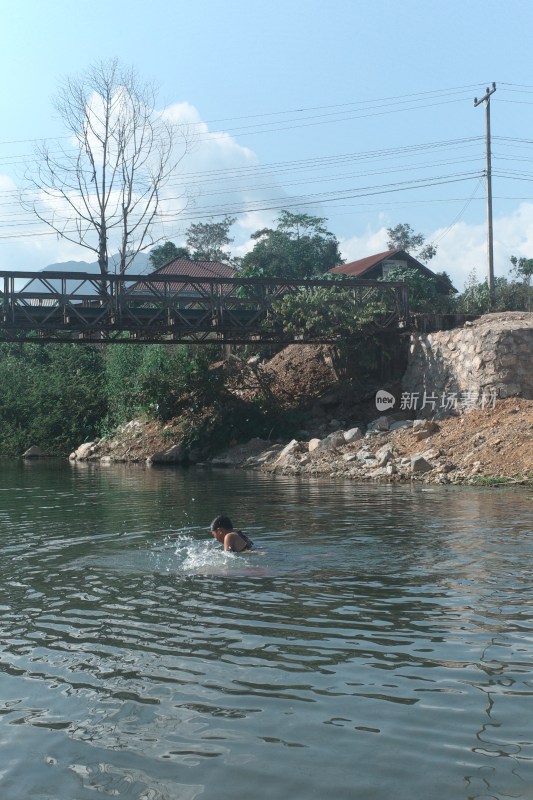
[481,480]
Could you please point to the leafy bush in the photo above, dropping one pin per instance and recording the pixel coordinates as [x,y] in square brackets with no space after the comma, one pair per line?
[155,380]
[324,311]
[52,396]
[424,294]
[58,396]
[507,296]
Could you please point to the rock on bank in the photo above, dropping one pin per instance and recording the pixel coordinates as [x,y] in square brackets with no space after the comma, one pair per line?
[495,443]
[491,357]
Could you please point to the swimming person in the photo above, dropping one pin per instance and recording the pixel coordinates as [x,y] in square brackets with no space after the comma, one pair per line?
[233,541]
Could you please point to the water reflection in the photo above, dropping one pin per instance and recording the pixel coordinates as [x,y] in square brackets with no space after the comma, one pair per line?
[379,644]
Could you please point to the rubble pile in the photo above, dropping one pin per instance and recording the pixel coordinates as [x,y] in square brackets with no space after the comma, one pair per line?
[483,443]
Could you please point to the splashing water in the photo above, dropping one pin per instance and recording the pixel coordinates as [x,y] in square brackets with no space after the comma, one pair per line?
[185,555]
[199,557]
[381,643]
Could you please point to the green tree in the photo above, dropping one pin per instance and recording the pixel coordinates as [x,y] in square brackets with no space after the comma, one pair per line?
[207,240]
[299,247]
[156,380]
[403,237]
[508,296]
[424,293]
[523,269]
[166,252]
[324,311]
[52,396]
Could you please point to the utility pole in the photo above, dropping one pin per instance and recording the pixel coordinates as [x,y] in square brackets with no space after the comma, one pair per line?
[490,242]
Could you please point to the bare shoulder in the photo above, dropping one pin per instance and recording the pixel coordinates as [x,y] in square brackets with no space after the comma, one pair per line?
[232,541]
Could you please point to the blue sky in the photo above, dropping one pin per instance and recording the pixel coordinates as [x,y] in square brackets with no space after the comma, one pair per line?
[336,109]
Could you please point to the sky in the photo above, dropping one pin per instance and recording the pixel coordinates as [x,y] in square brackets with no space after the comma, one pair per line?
[358,111]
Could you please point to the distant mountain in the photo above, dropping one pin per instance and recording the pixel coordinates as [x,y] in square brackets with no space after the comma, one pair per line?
[139,265]
[72,266]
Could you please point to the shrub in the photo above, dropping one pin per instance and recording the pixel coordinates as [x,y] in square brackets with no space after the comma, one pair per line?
[52,396]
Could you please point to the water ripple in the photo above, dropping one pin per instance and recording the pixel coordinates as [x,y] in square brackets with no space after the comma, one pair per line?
[373,627]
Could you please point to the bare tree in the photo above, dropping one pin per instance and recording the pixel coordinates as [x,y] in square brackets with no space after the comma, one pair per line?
[103,191]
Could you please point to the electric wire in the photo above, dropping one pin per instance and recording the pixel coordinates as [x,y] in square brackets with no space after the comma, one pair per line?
[301,118]
[274,204]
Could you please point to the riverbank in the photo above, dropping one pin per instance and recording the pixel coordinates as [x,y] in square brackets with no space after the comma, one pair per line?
[488,445]
[325,421]
[481,446]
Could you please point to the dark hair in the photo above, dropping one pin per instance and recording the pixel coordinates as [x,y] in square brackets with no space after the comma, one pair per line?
[222,522]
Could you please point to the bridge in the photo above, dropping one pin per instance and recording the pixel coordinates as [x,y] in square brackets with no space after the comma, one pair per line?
[83,307]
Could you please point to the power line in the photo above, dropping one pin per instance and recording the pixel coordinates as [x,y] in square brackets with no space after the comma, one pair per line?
[371,103]
[265,175]
[322,162]
[397,98]
[459,215]
[276,204]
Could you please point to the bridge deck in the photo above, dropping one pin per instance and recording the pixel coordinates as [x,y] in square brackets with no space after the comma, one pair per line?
[82,307]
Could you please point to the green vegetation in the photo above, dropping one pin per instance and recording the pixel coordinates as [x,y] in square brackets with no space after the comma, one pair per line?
[166,252]
[58,396]
[52,397]
[207,240]
[425,294]
[324,311]
[300,247]
[509,295]
[403,237]
[155,380]
[480,480]
[523,267]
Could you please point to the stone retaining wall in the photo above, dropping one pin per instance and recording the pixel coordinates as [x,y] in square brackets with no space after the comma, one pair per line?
[472,366]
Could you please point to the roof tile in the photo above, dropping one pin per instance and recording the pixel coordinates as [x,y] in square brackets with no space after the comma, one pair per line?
[363,264]
[195,269]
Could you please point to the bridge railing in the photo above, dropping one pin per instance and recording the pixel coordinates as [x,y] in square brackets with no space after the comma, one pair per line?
[63,306]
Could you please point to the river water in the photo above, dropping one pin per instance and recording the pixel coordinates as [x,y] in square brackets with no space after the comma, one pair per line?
[378,645]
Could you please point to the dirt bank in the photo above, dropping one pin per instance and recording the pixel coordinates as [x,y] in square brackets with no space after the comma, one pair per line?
[337,430]
[478,446]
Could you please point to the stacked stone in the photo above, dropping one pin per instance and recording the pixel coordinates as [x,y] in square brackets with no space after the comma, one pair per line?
[490,357]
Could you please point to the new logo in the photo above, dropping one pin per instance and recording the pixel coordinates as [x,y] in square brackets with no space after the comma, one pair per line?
[384,400]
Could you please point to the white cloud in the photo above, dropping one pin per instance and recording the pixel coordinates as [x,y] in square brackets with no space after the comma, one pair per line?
[249,223]
[514,234]
[214,175]
[221,178]
[29,248]
[463,248]
[367,244]
[7,184]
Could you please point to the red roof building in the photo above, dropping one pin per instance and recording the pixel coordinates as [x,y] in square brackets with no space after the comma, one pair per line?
[379,265]
[195,269]
[185,270]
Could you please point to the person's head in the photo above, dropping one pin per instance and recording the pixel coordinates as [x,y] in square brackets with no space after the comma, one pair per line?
[220,526]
